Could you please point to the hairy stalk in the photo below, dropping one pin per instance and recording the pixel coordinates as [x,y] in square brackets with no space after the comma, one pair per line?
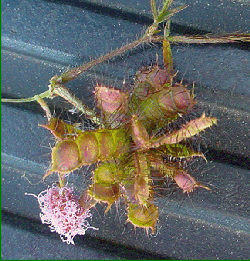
[75,72]
[37,98]
[160,17]
[45,107]
[45,94]
[57,89]
[63,92]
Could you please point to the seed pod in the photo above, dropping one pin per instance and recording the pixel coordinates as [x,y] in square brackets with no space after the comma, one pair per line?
[166,169]
[61,130]
[136,184]
[143,216]
[88,147]
[164,105]
[142,91]
[167,55]
[142,189]
[180,151]
[172,170]
[186,182]
[139,133]
[111,100]
[153,77]
[190,129]
[105,192]
[121,142]
[128,191]
[65,157]
[141,179]
[137,190]
[106,144]
[148,81]
[150,111]
[176,100]
[108,173]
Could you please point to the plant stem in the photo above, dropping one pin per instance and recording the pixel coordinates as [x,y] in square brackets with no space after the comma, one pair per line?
[62,91]
[45,94]
[210,39]
[75,72]
[37,98]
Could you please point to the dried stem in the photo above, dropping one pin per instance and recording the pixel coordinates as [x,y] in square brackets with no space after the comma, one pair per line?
[210,39]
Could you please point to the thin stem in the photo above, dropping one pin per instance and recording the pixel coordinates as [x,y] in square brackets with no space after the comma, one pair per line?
[37,98]
[45,107]
[75,72]
[62,91]
[56,87]
[61,181]
[45,94]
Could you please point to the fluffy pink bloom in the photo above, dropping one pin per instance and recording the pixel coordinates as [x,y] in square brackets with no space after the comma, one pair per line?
[61,210]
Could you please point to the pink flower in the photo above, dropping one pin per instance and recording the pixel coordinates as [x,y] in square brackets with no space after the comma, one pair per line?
[62,211]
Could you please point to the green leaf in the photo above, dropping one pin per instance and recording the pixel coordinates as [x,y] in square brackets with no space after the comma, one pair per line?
[153,9]
[165,7]
[167,29]
[165,15]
